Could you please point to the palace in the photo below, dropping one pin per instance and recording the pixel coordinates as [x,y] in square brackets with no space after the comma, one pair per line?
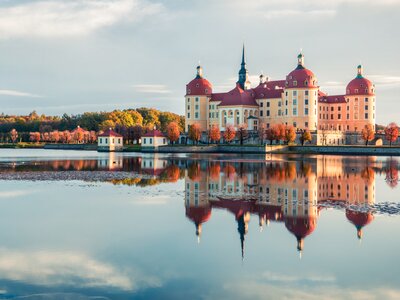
[298,100]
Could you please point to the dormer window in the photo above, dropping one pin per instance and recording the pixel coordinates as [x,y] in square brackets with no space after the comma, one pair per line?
[188,91]
[366,91]
[197,85]
[294,83]
[290,77]
[206,91]
[356,91]
[306,83]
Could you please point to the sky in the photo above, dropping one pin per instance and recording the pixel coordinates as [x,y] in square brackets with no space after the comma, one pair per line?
[72,56]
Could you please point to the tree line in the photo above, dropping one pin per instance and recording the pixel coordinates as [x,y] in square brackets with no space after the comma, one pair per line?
[130,123]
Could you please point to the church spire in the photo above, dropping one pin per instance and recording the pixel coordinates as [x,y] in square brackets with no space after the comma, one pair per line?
[243,73]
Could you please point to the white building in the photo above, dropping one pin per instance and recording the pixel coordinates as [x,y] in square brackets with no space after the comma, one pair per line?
[110,141]
[154,139]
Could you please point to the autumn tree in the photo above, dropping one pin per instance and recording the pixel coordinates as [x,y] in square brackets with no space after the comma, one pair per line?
[305,137]
[107,124]
[279,132]
[55,136]
[66,137]
[391,133]
[229,133]
[135,133]
[289,135]
[270,134]
[34,137]
[195,132]
[368,133]
[214,134]
[173,132]
[242,132]
[14,135]
[262,133]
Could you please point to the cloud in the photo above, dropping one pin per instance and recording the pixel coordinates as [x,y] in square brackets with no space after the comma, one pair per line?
[277,277]
[15,93]
[14,194]
[53,268]
[152,88]
[385,80]
[69,18]
[277,14]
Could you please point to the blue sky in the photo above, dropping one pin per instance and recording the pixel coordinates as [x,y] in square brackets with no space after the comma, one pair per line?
[98,55]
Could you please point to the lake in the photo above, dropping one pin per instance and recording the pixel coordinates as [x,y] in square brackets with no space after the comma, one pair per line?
[88,225]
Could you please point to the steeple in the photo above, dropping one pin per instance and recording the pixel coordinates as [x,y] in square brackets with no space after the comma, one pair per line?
[199,72]
[300,61]
[243,73]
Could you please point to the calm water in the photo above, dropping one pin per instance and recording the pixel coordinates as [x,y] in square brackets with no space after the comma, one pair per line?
[83,225]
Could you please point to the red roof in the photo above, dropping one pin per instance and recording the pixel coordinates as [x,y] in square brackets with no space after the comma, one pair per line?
[360,86]
[274,84]
[262,91]
[332,99]
[238,96]
[109,132]
[304,78]
[78,129]
[359,219]
[154,133]
[199,87]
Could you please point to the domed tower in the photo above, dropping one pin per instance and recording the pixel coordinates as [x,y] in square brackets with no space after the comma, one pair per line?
[360,98]
[198,94]
[359,220]
[300,97]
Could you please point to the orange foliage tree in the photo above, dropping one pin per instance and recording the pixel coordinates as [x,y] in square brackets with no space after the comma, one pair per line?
[14,135]
[242,132]
[195,132]
[173,132]
[391,133]
[214,134]
[34,137]
[367,133]
[305,137]
[229,133]
[289,135]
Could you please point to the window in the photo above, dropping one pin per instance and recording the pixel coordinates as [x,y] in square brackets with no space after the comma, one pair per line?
[261,104]
[306,93]
[366,99]
[294,111]
[267,104]
[294,93]
[101,141]
[267,113]
[294,83]
[144,141]
[188,115]
[366,115]
[113,141]
[294,124]
[164,141]
[332,108]
[261,113]
[331,116]
[196,107]
[286,102]
[294,101]
[348,116]
[339,116]
[196,115]
[286,112]
[279,104]
[197,99]
[366,107]
[119,141]
[339,108]
[348,108]
[306,111]
[306,124]
[306,101]
[151,141]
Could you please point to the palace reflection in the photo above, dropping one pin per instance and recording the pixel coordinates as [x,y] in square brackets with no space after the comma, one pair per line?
[289,192]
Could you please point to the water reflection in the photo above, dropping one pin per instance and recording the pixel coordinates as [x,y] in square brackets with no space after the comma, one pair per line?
[290,191]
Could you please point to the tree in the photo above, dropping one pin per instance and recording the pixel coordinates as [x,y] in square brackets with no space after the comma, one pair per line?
[242,132]
[135,133]
[14,135]
[173,132]
[106,125]
[367,133]
[34,137]
[214,134]
[66,137]
[305,137]
[195,132]
[391,133]
[55,136]
[279,132]
[229,133]
[290,134]
[271,134]
[262,133]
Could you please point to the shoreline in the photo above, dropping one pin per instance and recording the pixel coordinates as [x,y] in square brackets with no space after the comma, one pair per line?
[217,148]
